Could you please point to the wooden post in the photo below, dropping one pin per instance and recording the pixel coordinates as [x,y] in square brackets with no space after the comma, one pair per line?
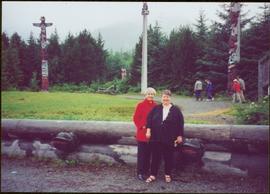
[145,12]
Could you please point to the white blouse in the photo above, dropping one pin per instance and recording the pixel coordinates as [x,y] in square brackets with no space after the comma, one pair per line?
[166,110]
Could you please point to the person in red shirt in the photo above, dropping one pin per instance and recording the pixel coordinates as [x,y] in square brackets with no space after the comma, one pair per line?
[140,119]
[236,88]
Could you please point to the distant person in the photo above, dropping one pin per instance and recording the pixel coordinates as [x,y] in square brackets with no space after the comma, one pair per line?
[236,88]
[198,86]
[242,88]
[165,128]
[209,90]
[140,118]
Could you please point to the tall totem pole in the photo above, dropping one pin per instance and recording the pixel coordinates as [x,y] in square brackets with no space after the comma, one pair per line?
[145,12]
[234,42]
[44,55]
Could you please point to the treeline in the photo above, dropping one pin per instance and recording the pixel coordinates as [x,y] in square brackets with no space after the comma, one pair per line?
[174,61]
[186,54]
[80,59]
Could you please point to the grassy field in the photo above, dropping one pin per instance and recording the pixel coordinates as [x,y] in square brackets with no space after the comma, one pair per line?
[66,106]
[80,106]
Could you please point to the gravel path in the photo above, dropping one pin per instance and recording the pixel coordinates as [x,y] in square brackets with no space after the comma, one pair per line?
[28,175]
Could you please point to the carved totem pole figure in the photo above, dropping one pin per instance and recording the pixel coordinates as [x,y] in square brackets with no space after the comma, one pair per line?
[44,56]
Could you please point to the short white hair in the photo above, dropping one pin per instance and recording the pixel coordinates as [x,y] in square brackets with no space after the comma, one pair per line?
[150,91]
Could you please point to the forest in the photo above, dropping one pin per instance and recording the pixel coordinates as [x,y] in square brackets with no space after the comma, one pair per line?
[175,61]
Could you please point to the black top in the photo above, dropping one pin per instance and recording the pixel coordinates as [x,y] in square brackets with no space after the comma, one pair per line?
[168,130]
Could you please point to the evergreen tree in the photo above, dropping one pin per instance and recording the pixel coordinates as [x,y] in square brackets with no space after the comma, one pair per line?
[170,61]
[254,45]
[155,56]
[11,74]
[101,55]
[214,64]
[85,69]
[12,57]
[201,28]
[4,61]
[68,58]
[5,41]
[56,72]
[4,70]
[202,37]
[156,48]
[84,58]
[181,54]
[19,45]
[135,72]
[114,63]
[32,61]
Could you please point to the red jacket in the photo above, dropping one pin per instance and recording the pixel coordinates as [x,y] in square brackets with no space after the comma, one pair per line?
[236,87]
[140,118]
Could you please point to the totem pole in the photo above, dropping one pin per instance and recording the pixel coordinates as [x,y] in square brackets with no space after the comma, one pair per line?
[234,43]
[44,56]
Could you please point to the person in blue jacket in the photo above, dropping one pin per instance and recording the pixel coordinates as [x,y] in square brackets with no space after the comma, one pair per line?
[209,90]
[165,129]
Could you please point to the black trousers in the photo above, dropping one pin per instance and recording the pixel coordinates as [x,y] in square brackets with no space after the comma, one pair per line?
[143,157]
[161,151]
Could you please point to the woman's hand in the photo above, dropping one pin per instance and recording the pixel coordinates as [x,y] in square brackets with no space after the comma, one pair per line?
[178,140]
[148,133]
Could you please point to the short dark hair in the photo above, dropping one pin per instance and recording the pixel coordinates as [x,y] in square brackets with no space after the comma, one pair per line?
[167,92]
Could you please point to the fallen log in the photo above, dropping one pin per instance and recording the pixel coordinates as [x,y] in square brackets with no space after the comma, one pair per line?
[87,131]
[247,137]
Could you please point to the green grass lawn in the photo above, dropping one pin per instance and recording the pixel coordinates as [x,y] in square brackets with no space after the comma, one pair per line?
[72,106]
[66,106]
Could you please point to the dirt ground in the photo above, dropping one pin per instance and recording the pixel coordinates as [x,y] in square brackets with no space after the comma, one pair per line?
[29,175]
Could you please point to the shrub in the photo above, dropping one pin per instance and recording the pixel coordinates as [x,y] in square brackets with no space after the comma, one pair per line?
[95,85]
[134,89]
[253,113]
[121,86]
[183,92]
[82,88]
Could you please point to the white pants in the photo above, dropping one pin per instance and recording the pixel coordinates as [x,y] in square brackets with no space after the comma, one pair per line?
[236,97]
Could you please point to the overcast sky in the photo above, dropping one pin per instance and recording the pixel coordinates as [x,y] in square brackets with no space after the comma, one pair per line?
[76,16]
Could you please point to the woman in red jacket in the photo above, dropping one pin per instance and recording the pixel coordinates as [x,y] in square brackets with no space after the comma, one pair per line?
[139,119]
[236,88]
